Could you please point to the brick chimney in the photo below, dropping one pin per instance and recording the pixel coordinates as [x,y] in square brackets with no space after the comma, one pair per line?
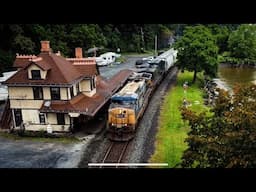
[79,52]
[45,46]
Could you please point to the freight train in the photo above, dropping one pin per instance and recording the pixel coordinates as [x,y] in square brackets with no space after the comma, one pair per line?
[128,105]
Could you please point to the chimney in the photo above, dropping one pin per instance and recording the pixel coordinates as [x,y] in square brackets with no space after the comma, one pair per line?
[79,52]
[45,46]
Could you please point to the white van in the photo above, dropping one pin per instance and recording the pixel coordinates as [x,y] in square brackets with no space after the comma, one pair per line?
[107,58]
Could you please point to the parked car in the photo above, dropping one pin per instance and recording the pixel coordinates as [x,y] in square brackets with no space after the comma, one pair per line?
[148,58]
[141,62]
[107,58]
[143,65]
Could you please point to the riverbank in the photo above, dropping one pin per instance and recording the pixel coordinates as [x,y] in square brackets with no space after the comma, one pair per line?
[172,131]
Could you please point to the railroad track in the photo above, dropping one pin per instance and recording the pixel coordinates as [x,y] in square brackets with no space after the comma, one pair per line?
[115,152]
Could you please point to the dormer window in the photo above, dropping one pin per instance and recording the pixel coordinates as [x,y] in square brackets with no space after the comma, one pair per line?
[35,74]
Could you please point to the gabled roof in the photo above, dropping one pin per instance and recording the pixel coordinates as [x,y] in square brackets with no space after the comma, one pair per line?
[61,72]
[40,63]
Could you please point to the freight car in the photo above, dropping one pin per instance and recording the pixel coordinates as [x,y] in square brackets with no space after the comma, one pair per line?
[128,105]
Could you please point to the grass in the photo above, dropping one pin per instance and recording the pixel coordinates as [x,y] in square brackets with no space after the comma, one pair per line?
[172,131]
[15,137]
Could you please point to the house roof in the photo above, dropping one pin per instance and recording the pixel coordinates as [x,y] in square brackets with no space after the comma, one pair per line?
[86,66]
[88,69]
[119,79]
[90,105]
[60,71]
[22,60]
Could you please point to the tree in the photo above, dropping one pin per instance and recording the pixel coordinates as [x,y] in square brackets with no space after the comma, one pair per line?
[221,33]
[242,42]
[227,138]
[23,44]
[197,51]
[86,36]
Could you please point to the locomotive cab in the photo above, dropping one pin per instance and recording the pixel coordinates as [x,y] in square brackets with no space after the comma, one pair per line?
[124,111]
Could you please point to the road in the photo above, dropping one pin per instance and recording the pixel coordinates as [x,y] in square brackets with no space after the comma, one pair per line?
[110,70]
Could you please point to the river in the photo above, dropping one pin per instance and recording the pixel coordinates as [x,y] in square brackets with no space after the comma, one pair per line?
[231,76]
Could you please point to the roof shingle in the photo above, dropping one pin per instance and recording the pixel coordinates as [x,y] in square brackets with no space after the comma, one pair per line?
[60,71]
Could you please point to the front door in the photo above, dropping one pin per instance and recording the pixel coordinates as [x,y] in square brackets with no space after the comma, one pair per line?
[18,117]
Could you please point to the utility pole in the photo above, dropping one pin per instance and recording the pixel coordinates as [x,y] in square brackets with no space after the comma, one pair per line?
[156,45]
[142,38]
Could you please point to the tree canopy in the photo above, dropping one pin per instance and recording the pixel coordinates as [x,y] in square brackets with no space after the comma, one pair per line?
[25,38]
[227,138]
[242,42]
[197,51]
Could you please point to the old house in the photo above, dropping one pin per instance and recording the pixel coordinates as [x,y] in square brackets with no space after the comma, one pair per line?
[49,92]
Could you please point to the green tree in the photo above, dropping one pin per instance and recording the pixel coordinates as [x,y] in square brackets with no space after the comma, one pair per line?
[242,42]
[86,36]
[23,44]
[227,138]
[221,33]
[197,51]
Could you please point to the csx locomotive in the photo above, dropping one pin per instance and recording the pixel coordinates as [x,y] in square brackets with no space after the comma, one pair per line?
[128,105]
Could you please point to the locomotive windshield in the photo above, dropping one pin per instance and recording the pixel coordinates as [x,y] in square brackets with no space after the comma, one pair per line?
[123,101]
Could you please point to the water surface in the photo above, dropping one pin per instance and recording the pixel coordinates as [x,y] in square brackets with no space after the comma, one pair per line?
[231,76]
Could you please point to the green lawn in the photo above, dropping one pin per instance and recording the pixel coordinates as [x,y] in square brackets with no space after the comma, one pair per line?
[172,131]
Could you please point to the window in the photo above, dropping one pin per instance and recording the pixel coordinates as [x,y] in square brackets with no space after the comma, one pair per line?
[42,118]
[71,91]
[60,119]
[77,88]
[38,93]
[55,93]
[35,74]
[92,83]
[17,116]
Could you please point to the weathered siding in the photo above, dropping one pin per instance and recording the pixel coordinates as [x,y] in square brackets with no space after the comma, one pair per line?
[26,104]
[47,93]
[32,122]
[85,88]
[85,85]
[30,116]
[63,94]
[20,92]
[56,128]
[52,118]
